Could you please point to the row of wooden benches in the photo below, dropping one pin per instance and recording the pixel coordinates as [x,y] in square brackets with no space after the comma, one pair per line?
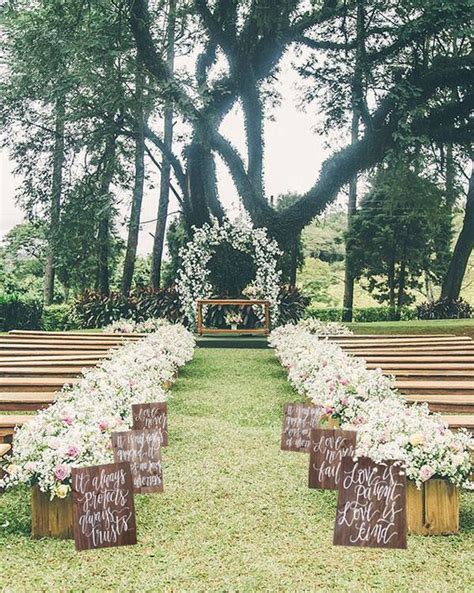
[35,365]
[437,369]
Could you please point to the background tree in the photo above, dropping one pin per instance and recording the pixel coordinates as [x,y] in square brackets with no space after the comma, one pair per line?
[393,236]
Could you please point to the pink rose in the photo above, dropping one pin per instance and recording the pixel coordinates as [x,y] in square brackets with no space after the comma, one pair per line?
[426,471]
[344,382]
[72,451]
[69,419]
[103,425]
[328,411]
[62,472]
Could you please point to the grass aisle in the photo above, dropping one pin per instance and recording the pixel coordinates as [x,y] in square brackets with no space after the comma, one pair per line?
[236,515]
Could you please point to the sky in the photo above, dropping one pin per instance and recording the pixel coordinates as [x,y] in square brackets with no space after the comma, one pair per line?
[293,156]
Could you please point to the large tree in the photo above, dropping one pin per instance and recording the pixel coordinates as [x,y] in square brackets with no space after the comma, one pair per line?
[251,39]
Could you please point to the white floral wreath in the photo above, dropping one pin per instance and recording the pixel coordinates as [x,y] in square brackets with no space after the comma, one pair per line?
[193,276]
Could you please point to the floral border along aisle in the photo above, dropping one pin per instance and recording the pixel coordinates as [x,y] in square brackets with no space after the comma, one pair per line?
[75,430]
[366,400]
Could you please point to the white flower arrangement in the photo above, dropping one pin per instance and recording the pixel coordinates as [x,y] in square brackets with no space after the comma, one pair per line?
[366,400]
[75,430]
[328,328]
[193,277]
[129,326]
[233,318]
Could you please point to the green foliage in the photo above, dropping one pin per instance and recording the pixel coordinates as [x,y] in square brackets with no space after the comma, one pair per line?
[445,309]
[176,237]
[293,304]
[22,257]
[393,240]
[17,313]
[230,270]
[58,318]
[96,310]
[365,314]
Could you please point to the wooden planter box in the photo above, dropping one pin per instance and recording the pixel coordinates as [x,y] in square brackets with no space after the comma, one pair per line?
[50,518]
[434,509]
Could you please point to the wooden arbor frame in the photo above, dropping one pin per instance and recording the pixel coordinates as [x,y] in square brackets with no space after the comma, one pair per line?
[237,302]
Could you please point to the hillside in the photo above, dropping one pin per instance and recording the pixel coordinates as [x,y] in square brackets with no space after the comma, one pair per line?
[323,274]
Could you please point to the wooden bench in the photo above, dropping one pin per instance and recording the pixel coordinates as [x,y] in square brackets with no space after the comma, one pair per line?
[52,363]
[8,422]
[4,449]
[460,421]
[462,404]
[440,386]
[66,334]
[23,384]
[41,371]
[21,401]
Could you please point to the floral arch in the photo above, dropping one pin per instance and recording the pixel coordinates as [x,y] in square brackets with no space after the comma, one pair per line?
[193,277]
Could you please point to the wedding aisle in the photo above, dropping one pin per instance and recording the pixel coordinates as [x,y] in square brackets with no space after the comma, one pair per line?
[236,514]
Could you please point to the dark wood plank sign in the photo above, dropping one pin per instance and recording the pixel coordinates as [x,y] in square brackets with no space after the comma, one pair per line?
[153,416]
[103,506]
[298,420]
[327,449]
[142,450]
[371,507]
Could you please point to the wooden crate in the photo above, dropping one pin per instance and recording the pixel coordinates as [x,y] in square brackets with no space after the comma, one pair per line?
[434,509]
[50,518]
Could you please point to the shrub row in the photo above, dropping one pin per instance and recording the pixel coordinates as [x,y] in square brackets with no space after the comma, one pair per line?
[94,310]
[440,309]
[365,314]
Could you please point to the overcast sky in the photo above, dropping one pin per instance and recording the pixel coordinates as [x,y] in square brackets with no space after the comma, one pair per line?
[293,156]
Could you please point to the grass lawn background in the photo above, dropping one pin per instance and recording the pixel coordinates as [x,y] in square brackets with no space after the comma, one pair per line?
[236,514]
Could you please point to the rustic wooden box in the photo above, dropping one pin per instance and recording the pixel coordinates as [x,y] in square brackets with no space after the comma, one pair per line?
[50,518]
[434,509]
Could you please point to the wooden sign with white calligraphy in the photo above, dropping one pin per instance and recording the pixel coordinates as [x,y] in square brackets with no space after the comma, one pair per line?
[326,451]
[298,420]
[153,416]
[103,506]
[142,449]
[371,508]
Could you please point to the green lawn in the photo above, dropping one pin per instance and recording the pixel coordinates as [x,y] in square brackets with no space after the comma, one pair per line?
[461,327]
[236,515]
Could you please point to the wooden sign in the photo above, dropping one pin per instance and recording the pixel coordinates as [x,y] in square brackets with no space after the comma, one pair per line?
[327,449]
[103,506]
[142,450]
[371,508]
[298,420]
[152,416]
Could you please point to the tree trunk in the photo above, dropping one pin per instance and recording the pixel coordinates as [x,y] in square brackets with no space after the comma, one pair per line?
[160,229]
[294,261]
[103,237]
[134,225]
[348,299]
[357,100]
[201,182]
[457,268]
[401,286]
[56,186]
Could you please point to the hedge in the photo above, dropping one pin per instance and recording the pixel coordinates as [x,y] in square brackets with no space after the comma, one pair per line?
[366,314]
[16,313]
[58,318]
